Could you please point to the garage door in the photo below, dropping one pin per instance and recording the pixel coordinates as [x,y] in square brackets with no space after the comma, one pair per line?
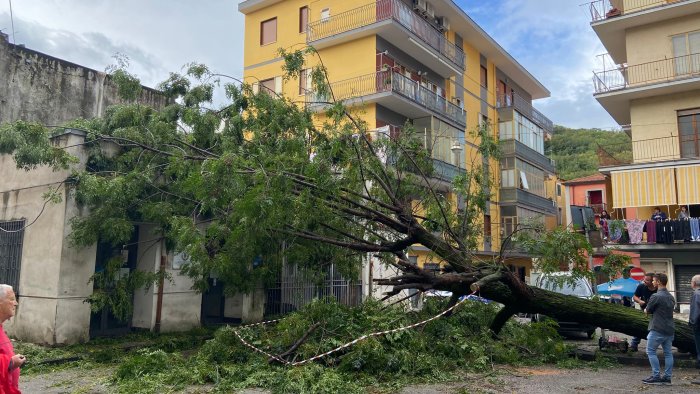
[683,275]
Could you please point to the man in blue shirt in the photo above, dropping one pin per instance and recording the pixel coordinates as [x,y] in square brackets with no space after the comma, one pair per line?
[661,331]
[658,214]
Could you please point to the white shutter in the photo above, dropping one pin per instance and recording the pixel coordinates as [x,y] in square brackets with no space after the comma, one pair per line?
[256,88]
[278,85]
[308,79]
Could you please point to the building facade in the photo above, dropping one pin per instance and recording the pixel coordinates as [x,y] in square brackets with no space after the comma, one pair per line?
[651,87]
[429,64]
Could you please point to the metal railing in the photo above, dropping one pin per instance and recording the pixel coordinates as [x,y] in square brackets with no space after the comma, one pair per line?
[391,81]
[649,150]
[666,70]
[604,9]
[382,10]
[526,109]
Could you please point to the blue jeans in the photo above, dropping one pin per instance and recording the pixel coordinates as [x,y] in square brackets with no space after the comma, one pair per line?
[654,340]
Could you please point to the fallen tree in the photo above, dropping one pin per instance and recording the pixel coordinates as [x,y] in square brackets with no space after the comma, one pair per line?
[265,179]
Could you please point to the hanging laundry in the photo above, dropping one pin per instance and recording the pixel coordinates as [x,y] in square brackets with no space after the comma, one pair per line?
[694,229]
[635,227]
[651,231]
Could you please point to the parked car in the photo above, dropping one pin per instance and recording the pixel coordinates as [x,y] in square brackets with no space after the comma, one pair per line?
[580,288]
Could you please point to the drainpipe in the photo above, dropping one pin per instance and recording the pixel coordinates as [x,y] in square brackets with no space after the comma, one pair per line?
[159,303]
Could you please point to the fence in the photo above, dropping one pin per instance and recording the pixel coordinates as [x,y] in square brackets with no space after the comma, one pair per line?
[296,288]
[603,9]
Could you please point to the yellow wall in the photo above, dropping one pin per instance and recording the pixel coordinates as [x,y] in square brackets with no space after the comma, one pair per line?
[656,117]
[652,42]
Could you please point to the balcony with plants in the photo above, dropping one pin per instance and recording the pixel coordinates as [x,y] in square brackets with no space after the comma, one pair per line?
[415,34]
[601,10]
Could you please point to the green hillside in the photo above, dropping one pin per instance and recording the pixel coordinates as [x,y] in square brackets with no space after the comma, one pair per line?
[575,150]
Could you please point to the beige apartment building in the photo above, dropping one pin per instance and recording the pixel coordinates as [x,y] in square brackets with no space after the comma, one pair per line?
[650,84]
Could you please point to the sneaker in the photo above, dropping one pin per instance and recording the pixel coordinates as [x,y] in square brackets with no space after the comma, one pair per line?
[653,380]
[666,380]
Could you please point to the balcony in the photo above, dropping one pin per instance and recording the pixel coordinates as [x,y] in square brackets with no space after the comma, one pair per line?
[523,106]
[614,89]
[398,24]
[394,91]
[522,197]
[649,150]
[446,171]
[598,208]
[605,9]
[518,149]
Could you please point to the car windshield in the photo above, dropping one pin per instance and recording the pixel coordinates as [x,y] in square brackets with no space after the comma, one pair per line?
[580,289]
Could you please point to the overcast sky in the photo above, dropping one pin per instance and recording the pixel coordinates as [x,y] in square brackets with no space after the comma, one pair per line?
[551,38]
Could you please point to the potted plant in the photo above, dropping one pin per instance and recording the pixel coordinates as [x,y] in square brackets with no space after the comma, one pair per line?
[594,236]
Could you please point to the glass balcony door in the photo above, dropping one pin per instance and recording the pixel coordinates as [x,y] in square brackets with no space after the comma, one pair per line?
[689,133]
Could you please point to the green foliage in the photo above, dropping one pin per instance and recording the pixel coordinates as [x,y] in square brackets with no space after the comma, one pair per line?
[556,249]
[575,150]
[615,265]
[116,291]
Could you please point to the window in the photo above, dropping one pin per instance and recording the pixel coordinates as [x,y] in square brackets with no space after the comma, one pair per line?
[686,52]
[559,189]
[268,31]
[11,238]
[487,226]
[303,82]
[303,19]
[325,14]
[484,77]
[689,132]
[268,86]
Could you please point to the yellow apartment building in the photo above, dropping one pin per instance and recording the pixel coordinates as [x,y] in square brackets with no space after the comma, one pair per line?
[427,63]
[651,86]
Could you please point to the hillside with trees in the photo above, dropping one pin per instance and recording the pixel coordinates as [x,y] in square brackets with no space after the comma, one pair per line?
[576,150]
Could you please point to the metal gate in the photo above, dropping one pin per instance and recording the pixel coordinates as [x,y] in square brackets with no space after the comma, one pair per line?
[11,237]
[296,288]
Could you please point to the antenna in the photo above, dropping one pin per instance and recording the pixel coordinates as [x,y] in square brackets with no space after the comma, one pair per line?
[12,20]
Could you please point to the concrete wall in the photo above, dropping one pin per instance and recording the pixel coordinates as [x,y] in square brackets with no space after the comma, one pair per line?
[181,304]
[38,87]
[656,117]
[53,275]
[652,42]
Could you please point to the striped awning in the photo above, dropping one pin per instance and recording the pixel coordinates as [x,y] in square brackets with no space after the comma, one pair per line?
[688,179]
[644,188]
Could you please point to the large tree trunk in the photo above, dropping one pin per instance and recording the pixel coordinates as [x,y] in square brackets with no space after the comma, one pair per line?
[518,297]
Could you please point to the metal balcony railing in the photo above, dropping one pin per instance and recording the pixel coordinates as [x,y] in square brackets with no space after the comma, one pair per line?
[667,70]
[650,150]
[604,9]
[390,81]
[526,109]
[382,10]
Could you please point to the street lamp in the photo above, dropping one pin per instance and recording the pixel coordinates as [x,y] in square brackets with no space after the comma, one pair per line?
[456,149]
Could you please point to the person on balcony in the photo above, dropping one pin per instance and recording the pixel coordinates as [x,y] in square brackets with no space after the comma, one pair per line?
[683,214]
[604,215]
[658,214]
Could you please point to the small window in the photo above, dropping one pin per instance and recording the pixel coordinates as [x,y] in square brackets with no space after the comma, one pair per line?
[487,226]
[325,14]
[558,189]
[303,82]
[268,86]
[484,77]
[268,31]
[303,19]
[11,241]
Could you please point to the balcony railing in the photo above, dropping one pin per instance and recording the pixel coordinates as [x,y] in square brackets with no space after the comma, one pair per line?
[603,9]
[388,81]
[526,109]
[638,75]
[649,150]
[383,10]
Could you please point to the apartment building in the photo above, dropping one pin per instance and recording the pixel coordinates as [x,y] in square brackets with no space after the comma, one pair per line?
[651,86]
[427,63]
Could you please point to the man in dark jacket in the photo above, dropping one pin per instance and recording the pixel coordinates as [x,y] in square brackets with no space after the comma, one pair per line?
[641,296]
[661,331]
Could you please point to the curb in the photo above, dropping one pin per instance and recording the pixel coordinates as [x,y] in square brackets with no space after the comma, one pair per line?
[680,360]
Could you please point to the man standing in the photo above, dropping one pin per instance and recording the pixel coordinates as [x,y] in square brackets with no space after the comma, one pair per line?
[661,331]
[694,320]
[9,361]
[641,296]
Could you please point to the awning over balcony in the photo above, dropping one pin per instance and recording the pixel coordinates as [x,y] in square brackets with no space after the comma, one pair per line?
[644,188]
[688,185]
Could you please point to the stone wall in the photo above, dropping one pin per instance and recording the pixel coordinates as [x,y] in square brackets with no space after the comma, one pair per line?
[38,87]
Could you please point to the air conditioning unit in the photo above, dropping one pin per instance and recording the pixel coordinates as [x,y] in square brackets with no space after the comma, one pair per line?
[442,23]
[429,11]
[420,6]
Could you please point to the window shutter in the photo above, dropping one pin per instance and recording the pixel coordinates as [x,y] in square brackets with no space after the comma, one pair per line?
[278,85]
[256,88]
